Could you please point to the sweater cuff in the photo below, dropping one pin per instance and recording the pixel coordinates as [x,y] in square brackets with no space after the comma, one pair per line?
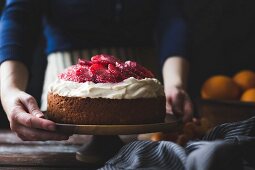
[14,53]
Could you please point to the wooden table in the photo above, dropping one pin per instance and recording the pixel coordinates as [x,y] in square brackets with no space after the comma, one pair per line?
[58,155]
[50,155]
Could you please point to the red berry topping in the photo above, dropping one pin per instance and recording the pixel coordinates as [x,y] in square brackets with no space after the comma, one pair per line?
[84,62]
[76,73]
[138,69]
[97,69]
[115,71]
[101,74]
[126,71]
[104,59]
[104,69]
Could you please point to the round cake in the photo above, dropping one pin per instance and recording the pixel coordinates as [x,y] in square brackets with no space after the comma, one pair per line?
[106,90]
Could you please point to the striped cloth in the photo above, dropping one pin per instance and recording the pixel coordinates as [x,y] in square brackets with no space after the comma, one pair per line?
[58,61]
[148,155]
[227,146]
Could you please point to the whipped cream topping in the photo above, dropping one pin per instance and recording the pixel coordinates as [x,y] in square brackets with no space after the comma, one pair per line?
[130,88]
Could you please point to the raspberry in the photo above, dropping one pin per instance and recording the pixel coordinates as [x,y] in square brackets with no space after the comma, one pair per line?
[96,68]
[79,72]
[104,59]
[126,71]
[84,62]
[101,74]
[116,72]
[76,73]
[139,70]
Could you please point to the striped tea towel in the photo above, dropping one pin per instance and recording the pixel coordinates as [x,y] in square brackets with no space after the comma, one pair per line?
[227,146]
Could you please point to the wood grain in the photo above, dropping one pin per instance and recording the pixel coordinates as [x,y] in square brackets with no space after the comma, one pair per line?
[172,124]
[31,155]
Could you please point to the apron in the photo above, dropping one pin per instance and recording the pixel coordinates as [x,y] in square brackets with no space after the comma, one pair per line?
[59,61]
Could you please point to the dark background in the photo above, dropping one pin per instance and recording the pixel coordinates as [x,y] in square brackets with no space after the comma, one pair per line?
[222,39]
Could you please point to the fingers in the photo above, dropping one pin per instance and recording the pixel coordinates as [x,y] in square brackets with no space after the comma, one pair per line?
[26,119]
[179,103]
[29,134]
[188,110]
[30,127]
[169,106]
[30,104]
[174,102]
[32,121]
[183,107]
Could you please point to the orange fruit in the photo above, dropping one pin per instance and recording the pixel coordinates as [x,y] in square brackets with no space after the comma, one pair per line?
[248,95]
[158,136]
[245,79]
[220,87]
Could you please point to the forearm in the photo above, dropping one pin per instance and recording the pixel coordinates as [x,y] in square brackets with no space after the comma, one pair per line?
[14,78]
[175,72]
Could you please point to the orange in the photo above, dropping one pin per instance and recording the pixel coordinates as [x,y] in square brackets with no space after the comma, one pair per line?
[248,95]
[245,79]
[157,136]
[220,87]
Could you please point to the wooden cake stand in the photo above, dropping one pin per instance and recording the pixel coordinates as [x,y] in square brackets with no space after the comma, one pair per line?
[106,143]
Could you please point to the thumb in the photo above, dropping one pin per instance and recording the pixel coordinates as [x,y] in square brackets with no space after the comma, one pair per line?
[188,110]
[31,105]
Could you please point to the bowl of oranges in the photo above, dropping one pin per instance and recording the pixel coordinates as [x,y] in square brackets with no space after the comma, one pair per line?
[223,99]
[228,99]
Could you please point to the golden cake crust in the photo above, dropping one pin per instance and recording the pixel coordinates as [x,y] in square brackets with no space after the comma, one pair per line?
[93,111]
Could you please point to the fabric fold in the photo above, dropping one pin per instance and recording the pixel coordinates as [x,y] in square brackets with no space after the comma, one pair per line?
[227,146]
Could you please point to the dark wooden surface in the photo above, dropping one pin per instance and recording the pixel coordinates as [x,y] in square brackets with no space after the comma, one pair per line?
[50,155]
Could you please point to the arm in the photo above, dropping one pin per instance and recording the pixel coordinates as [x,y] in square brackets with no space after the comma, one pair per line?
[19,28]
[174,60]
[21,108]
[175,74]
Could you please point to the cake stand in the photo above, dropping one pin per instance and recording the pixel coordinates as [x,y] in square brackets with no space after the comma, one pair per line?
[106,143]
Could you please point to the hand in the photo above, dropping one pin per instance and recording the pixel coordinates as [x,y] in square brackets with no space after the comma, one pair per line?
[26,119]
[178,103]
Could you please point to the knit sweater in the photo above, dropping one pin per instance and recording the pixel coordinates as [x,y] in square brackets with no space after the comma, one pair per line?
[80,24]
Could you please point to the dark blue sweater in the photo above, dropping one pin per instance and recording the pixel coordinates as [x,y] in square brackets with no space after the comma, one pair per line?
[79,24]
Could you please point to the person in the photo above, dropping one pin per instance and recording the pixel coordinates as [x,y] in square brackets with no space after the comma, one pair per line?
[83,28]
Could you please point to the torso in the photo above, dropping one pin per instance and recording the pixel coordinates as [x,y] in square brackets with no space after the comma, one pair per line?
[98,23]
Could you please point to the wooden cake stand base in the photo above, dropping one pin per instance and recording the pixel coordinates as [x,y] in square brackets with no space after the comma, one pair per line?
[106,142]
[100,149]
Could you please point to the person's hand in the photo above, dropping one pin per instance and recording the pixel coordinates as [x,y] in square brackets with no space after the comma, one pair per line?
[178,103]
[26,119]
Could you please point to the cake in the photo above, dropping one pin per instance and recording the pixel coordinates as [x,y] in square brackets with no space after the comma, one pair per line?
[106,90]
